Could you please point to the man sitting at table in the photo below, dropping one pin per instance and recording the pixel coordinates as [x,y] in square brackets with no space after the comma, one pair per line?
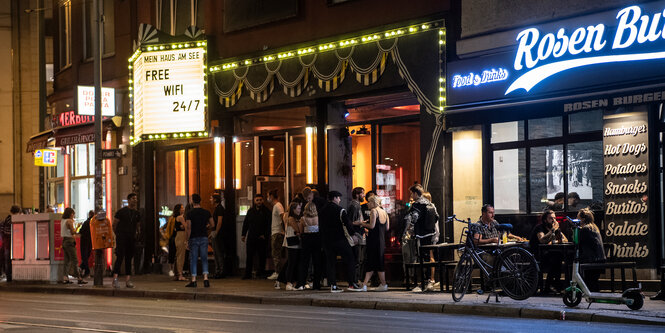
[548,232]
[486,228]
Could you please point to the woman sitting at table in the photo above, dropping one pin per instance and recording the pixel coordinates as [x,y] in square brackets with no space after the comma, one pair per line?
[548,232]
[591,247]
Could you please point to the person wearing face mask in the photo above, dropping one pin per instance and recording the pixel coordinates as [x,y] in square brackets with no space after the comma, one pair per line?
[255,232]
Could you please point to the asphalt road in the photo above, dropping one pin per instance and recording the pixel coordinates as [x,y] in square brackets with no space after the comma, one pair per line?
[31,312]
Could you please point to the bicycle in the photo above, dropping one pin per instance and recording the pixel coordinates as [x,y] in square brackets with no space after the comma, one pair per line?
[515,269]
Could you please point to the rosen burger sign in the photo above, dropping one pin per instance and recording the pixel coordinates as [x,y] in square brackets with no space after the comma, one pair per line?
[611,48]
[168,92]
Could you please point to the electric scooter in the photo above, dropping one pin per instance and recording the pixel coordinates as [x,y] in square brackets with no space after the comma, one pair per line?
[573,295]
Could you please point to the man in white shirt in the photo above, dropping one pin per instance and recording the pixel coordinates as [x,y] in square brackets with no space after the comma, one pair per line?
[277,234]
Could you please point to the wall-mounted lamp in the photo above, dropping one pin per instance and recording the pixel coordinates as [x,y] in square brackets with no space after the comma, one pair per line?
[218,141]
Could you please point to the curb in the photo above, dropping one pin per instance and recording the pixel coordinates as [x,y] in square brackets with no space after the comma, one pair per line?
[490,310]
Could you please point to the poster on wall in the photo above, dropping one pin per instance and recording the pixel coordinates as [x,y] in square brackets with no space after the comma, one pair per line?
[43,241]
[18,241]
[58,254]
[626,186]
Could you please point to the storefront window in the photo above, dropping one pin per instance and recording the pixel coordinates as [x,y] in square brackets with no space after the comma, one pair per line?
[585,177]
[60,168]
[298,163]
[507,132]
[547,177]
[272,156]
[585,121]
[398,165]
[243,170]
[545,128]
[510,181]
[361,142]
[80,160]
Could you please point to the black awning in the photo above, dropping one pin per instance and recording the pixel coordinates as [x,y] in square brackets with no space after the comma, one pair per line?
[38,141]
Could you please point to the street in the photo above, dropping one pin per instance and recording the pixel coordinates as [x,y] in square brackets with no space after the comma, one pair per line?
[34,312]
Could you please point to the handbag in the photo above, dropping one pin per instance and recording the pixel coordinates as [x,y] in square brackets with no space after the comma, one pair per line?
[349,239]
[293,241]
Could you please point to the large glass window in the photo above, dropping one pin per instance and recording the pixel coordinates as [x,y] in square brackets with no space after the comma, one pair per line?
[585,121]
[272,156]
[298,163]
[65,32]
[361,143]
[547,178]
[107,28]
[398,165]
[545,128]
[510,181]
[585,175]
[507,132]
[243,173]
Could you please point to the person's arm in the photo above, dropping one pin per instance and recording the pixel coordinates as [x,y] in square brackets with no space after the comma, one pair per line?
[477,238]
[115,224]
[515,237]
[372,220]
[70,226]
[188,229]
[211,223]
[219,223]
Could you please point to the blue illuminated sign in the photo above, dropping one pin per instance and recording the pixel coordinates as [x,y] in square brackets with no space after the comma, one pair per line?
[487,76]
[613,48]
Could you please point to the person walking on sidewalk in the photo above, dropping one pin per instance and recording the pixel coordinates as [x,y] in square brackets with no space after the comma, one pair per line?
[125,227]
[67,231]
[197,223]
[334,220]
[255,231]
[6,240]
[86,245]
[215,235]
[376,242]
[277,234]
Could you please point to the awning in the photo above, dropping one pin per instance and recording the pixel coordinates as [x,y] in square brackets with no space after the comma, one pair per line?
[78,134]
[38,141]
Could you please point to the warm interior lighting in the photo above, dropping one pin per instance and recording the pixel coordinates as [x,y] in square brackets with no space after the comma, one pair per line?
[237,170]
[180,173]
[362,160]
[218,162]
[298,159]
[309,143]
[67,159]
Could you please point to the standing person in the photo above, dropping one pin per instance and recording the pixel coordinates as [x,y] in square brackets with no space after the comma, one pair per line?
[358,232]
[591,247]
[311,246]
[276,234]
[125,227]
[86,245]
[255,231]
[180,239]
[334,219]
[197,223]
[6,238]
[215,235]
[67,231]
[422,226]
[292,244]
[548,232]
[376,243]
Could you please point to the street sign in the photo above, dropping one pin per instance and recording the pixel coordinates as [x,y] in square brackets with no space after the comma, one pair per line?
[109,154]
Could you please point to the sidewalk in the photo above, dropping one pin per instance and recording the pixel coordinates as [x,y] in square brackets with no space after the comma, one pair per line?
[262,292]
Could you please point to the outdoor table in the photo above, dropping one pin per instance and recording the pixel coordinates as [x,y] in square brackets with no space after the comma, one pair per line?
[440,249]
[560,247]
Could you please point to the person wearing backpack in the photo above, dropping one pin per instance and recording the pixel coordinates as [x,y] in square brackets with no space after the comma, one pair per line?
[422,215]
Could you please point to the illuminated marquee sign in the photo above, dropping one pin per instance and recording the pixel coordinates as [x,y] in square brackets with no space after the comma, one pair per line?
[614,47]
[86,101]
[46,157]
[169,93]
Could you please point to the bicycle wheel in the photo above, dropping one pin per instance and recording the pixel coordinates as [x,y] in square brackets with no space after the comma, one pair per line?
[517,272]
[462,277]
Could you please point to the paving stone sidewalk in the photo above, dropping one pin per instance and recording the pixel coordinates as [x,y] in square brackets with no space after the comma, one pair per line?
[262,292]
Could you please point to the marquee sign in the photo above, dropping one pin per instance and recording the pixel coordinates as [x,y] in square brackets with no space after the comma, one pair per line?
[610,48]
[169,93]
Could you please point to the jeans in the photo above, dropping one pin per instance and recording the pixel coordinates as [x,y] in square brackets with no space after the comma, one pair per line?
[198,247]
[311,249]
[277,251]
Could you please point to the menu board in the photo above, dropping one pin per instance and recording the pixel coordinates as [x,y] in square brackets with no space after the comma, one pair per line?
[18,241]
[42,241]
[58,253]
[626,186]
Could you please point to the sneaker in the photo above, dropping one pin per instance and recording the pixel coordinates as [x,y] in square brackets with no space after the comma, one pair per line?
[171,274]
[191,284]
[277,286]
[289,287]
[299,288]
[437,285]
[129,284]
[355,287]
[325,282]
[308,286]
[273,276]
[382,287]
[417,290]
[206,283]
[430,286]
[115,283]
[80,282]
[364,288]
[334,289]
